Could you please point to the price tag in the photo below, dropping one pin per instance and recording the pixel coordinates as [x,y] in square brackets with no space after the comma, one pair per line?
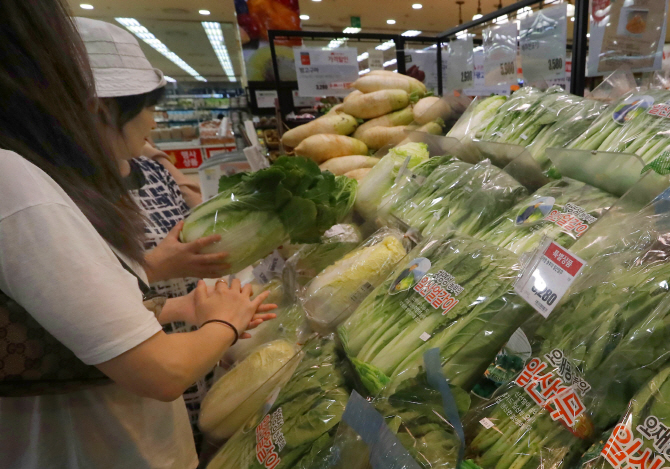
[325,72]
[486,423]
[548,276]
[500,55]
[542,41]
[460,64]
[269,268]
[375,59]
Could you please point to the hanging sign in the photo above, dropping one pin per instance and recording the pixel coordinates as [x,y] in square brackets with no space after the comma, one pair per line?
[460,64]
[325,72]
[630,33]
[422,65]
[500,47]
[375,59]
[542,44]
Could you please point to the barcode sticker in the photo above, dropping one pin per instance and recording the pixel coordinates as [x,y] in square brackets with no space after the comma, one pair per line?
[425,336]
[486,423]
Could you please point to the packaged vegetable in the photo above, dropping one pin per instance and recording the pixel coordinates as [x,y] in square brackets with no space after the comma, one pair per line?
[381,177]
[335,292]
[257,212]
[302,420]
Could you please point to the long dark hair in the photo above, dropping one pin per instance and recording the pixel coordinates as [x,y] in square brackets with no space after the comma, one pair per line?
[48,115]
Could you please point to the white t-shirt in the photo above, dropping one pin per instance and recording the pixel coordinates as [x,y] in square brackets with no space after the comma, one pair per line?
[54,264]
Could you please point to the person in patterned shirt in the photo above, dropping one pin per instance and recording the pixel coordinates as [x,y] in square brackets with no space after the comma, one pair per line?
[173,268]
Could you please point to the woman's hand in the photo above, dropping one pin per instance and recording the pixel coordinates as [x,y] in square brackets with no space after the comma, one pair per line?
[174,259]
[232,304]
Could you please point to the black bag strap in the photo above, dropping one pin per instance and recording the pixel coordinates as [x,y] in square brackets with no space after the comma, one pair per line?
[144,288]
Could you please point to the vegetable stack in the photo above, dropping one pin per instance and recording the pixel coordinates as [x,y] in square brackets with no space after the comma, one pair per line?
[595,351]
[442,297]
[301,421]
[256,212]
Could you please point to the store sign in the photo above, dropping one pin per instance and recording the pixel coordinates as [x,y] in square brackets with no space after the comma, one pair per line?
[630,33]
[299,101]
[422,65]
[460,64]
[185,159]
[325,72]
[542,44]
[500,48]
[548,276]
[375,59]
[266,98]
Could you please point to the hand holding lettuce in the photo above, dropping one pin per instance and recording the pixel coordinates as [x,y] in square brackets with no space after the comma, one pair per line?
[257,212]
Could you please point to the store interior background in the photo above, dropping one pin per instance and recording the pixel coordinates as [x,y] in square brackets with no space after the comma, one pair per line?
[179,26]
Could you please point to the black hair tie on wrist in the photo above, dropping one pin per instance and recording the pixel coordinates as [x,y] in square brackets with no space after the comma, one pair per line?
[225,323]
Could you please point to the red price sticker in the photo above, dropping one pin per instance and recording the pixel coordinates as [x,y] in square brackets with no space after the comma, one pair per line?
[547,277]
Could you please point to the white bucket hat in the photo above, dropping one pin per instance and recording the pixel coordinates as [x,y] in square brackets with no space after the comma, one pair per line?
[119,66]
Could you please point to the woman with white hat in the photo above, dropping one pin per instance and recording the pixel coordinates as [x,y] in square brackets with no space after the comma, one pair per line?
[129,88]
[88,379]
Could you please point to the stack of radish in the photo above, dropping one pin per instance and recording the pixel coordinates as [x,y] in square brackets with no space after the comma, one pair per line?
[384,104]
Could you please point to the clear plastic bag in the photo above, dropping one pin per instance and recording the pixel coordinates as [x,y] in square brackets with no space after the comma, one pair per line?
[302,419]
[331,296]
[441,297]
[590,357]
[562,210]
[476,117]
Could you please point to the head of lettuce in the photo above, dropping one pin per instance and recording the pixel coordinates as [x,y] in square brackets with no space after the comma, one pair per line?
[257,212]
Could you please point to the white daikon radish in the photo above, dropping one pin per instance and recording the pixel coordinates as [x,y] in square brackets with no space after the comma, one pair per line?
[322,147]
[371,83]
[358,174]
[415,84]
[377,103]
[430,109]
[344,164]
[377,137]
[353,94]
[335,123]
[402,117]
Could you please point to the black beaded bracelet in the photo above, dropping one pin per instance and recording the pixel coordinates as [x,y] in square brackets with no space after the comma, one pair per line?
[226,323]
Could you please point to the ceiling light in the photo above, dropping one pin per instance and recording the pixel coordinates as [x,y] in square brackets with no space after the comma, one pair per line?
[501,20]
[477,16]
[417,6]
[390,62]
[572,19]
[351,30]
[462,34]
[204,12]
[215,36]
[304,17]
[411,33]
[169,79]
[385,46]
[390,21]
[363,72]
[521,13]
[363,56]
[430,47]
[588,35]
[335,43]
[132,25]
[86,6]
[316,0]
[571,9]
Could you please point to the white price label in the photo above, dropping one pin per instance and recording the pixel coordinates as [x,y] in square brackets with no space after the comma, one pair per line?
[270,267]
[425,336]
[486,423]
[460,64]
[548,276]
[375,59]
[324,72]
[542,42]
[500,49]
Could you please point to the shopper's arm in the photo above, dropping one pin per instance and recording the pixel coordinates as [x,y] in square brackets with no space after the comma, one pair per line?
[164,366]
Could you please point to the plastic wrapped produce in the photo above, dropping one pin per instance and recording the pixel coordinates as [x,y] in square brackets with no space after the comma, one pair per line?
[593,353]
[562,210]
[461,196]
[256,212]
[476,117]
[301,421]
[442,297]
[634,124]
[335,292]
[380,178]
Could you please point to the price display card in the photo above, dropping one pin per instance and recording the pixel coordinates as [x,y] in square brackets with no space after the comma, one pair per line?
[542,42]
[500,47]
[548,276]
[375,59]
[460,64]
[324,72]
